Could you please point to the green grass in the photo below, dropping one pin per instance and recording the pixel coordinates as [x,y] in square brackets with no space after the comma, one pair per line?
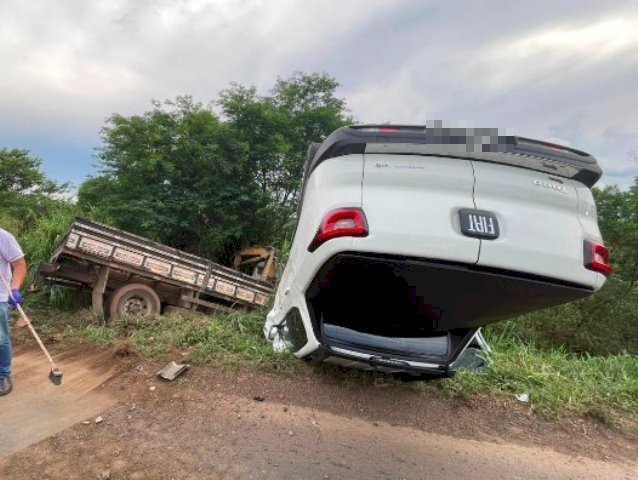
[99,334]
[234,339]
[560,383]
[225,340]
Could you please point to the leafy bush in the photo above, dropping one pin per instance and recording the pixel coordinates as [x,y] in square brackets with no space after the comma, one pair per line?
[606,323]
[39,239]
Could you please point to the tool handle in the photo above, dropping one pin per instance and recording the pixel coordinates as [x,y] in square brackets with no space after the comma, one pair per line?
[36,336]
[28,322]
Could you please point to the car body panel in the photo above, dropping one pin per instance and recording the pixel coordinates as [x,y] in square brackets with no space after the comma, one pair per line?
[412,203]
[541,232]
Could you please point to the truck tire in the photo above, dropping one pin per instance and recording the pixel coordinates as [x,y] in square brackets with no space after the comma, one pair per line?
[134,300]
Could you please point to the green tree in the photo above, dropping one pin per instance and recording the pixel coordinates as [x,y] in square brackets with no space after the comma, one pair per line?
[25,190]
[178,175]
[277,130]
[21,174]
[618,219]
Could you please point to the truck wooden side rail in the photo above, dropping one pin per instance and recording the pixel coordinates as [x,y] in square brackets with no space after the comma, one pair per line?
[131,275]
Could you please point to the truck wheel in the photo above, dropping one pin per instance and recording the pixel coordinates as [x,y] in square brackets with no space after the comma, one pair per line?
[134,300]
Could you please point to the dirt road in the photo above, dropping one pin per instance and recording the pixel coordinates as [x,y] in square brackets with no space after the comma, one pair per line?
[37,409]
[245,425]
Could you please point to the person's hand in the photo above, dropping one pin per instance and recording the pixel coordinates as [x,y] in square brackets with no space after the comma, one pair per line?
[15,298]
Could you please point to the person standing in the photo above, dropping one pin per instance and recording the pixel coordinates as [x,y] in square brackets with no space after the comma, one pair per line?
[13,268]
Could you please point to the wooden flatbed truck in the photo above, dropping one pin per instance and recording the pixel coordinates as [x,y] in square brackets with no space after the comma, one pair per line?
[130,275]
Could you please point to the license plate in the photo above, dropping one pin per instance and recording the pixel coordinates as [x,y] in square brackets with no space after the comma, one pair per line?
[479,224]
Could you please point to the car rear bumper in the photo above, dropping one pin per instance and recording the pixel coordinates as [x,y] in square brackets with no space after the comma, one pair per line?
[391,296]
[397,314]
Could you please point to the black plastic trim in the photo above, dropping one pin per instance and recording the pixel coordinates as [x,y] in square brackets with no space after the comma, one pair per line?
[296,337]
[439,294]
[354,139]
[326,351]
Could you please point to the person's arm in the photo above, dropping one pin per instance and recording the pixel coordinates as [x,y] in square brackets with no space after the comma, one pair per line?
[19,268]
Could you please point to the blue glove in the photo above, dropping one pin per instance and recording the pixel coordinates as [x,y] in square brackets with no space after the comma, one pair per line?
[15,298]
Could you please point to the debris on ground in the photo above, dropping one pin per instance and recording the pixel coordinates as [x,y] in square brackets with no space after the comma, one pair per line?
[99,420]
[522,397]
[172,370]
[259,398]
[124,348]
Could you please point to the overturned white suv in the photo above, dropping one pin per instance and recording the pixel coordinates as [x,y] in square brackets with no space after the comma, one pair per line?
[411,238]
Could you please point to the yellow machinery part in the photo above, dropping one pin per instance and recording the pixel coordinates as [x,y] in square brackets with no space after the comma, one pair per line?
[261,259]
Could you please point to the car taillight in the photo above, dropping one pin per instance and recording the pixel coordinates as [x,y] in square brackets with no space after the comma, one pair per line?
[597,258]
[343,222]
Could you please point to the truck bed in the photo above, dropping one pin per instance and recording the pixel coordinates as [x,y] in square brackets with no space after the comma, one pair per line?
[95,243]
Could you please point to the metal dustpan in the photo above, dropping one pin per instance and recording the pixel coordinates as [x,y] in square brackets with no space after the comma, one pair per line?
[172,370]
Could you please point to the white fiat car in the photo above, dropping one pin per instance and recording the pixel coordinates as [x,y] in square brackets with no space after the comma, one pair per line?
[411,238]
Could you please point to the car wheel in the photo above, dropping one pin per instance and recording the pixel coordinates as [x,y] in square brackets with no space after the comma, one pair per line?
[134,300]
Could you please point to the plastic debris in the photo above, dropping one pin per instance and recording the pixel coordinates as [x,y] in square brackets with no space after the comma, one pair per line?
[172,370]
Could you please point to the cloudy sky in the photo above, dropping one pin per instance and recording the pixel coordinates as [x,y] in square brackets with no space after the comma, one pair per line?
[560,70]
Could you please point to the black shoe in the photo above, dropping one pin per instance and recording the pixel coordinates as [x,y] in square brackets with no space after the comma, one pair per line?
[5,386]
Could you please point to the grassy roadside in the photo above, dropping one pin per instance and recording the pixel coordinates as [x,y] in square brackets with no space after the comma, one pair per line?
[559,383]
[233,340]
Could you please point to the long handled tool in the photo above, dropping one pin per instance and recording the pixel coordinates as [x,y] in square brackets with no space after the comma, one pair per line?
[55,375]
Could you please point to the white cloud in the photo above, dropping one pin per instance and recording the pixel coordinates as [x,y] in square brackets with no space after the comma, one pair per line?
[548,54]
[84,60]
[562,70]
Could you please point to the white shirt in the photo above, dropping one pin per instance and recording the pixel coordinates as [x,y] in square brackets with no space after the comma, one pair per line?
[10,251]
